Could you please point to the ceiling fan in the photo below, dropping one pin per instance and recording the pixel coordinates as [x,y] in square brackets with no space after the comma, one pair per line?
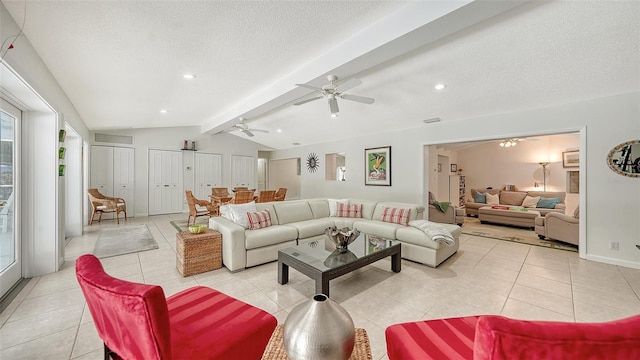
[332,91]
[243,127]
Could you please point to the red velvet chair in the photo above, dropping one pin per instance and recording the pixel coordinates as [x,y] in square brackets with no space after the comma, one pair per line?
[497,337]
[136,321]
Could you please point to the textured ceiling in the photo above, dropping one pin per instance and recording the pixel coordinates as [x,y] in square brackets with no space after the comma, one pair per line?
[121,62]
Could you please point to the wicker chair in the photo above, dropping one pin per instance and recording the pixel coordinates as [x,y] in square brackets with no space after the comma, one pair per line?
[242,197]
[280,194]
[196,207]
[266,196]
[106,204]
[240,188]
[219,196]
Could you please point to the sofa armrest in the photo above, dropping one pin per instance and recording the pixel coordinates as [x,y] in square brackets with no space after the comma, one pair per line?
[447,217]
[234,251]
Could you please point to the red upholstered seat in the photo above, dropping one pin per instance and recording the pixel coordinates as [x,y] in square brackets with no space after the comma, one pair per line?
[497,337]
[433,339]
[136,321]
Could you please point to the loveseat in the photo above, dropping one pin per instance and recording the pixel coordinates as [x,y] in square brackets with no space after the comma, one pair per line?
[548,201]
[297,222]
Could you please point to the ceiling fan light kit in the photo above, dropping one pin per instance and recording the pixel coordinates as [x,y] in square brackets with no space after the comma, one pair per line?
[244,128]
[332,91]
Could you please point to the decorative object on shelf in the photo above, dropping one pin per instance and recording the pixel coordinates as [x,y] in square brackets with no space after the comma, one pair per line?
[319,329]
[341,238]
[185,145]
[378,166]
[313,163]
[62,135]
[570,159]
[624,159]
[61,170]
[193,145]
[459,171]
[189,145]
[454,167]
[61,152]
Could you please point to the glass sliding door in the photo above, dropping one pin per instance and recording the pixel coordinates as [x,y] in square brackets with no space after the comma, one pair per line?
[10,267]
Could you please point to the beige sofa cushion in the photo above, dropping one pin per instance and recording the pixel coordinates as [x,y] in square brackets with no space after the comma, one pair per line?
[271,235]
[319,208]
[310,228]
[512,197]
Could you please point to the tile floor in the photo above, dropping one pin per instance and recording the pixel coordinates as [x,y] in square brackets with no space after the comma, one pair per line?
[49,318]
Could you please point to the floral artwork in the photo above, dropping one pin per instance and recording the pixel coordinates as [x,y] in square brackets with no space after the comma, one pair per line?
[378,166]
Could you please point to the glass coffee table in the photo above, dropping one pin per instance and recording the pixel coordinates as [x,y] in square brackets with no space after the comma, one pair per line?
[321,261]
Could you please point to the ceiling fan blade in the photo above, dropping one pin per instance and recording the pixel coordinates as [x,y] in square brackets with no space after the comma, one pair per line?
[333,105]
[308,100]
[360,99]
[260,130]
[350,84]
[248,133]
[309,87]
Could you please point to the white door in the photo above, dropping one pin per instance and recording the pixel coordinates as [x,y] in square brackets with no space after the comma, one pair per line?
[102,169]
[123,179]
[165,182]
[10,242]
[243,171]
[208,174]
[262,174]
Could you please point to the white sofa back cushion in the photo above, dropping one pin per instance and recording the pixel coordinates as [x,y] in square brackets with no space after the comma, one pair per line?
[268,206]
[293,211]
[238,213]
[368,207]
[333,205]
[319,208]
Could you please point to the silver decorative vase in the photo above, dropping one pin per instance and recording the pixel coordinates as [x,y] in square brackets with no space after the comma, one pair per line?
[319,329]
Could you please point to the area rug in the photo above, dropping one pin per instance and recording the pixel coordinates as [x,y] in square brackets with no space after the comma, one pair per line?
[123,240]
[472,226]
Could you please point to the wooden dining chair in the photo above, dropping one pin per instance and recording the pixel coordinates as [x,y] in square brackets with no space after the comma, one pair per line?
[242,197]
[280,194]
[266,196]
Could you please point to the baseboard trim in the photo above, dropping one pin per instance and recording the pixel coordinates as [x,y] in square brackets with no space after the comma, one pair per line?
[611,261]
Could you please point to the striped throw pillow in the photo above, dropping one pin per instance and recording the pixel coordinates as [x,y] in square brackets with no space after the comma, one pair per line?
[349,210]
[396,215]
[259,220]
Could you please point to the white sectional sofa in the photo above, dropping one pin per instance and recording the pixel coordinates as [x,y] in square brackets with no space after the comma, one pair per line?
[302,221]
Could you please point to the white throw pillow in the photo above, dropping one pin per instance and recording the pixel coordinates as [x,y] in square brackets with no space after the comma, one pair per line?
[239,212]
[530,201]
[333,205]
[493,199]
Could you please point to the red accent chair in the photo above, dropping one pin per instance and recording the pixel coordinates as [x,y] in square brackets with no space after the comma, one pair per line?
[136,321]
[498,337]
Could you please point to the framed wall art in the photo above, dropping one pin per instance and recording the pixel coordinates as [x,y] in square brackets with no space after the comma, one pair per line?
[378,166]
[570,159]
[454,167]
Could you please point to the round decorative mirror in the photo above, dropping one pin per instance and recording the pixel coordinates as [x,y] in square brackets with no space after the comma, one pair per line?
[624,159]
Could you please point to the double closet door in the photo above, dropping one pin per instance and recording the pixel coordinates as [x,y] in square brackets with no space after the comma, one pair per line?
[112,173]
[166,190]
[207,174]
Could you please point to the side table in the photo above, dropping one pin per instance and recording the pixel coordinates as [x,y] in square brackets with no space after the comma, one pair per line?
[275,347]
[198,253]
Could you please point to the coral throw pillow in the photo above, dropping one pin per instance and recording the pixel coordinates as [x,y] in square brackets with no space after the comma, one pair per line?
[396,215]
[259,220]
[349,210]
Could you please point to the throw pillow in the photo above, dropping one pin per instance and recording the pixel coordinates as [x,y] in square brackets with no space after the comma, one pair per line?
[259,220]
[333,205]
[530,201]
[576,212]
[480,198]
[493,199]
[349,210]
[548,203]
[239,212]
[396,215]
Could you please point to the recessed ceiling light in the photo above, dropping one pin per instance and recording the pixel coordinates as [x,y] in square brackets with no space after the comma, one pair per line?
[189,76]
[440,86]
[334,115]
[164,111]
[279,130]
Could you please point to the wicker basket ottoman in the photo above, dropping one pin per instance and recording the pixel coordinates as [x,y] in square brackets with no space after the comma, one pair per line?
[198,253]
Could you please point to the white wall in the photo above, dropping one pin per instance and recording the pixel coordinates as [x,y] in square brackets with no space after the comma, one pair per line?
[172,139]
[607,122]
